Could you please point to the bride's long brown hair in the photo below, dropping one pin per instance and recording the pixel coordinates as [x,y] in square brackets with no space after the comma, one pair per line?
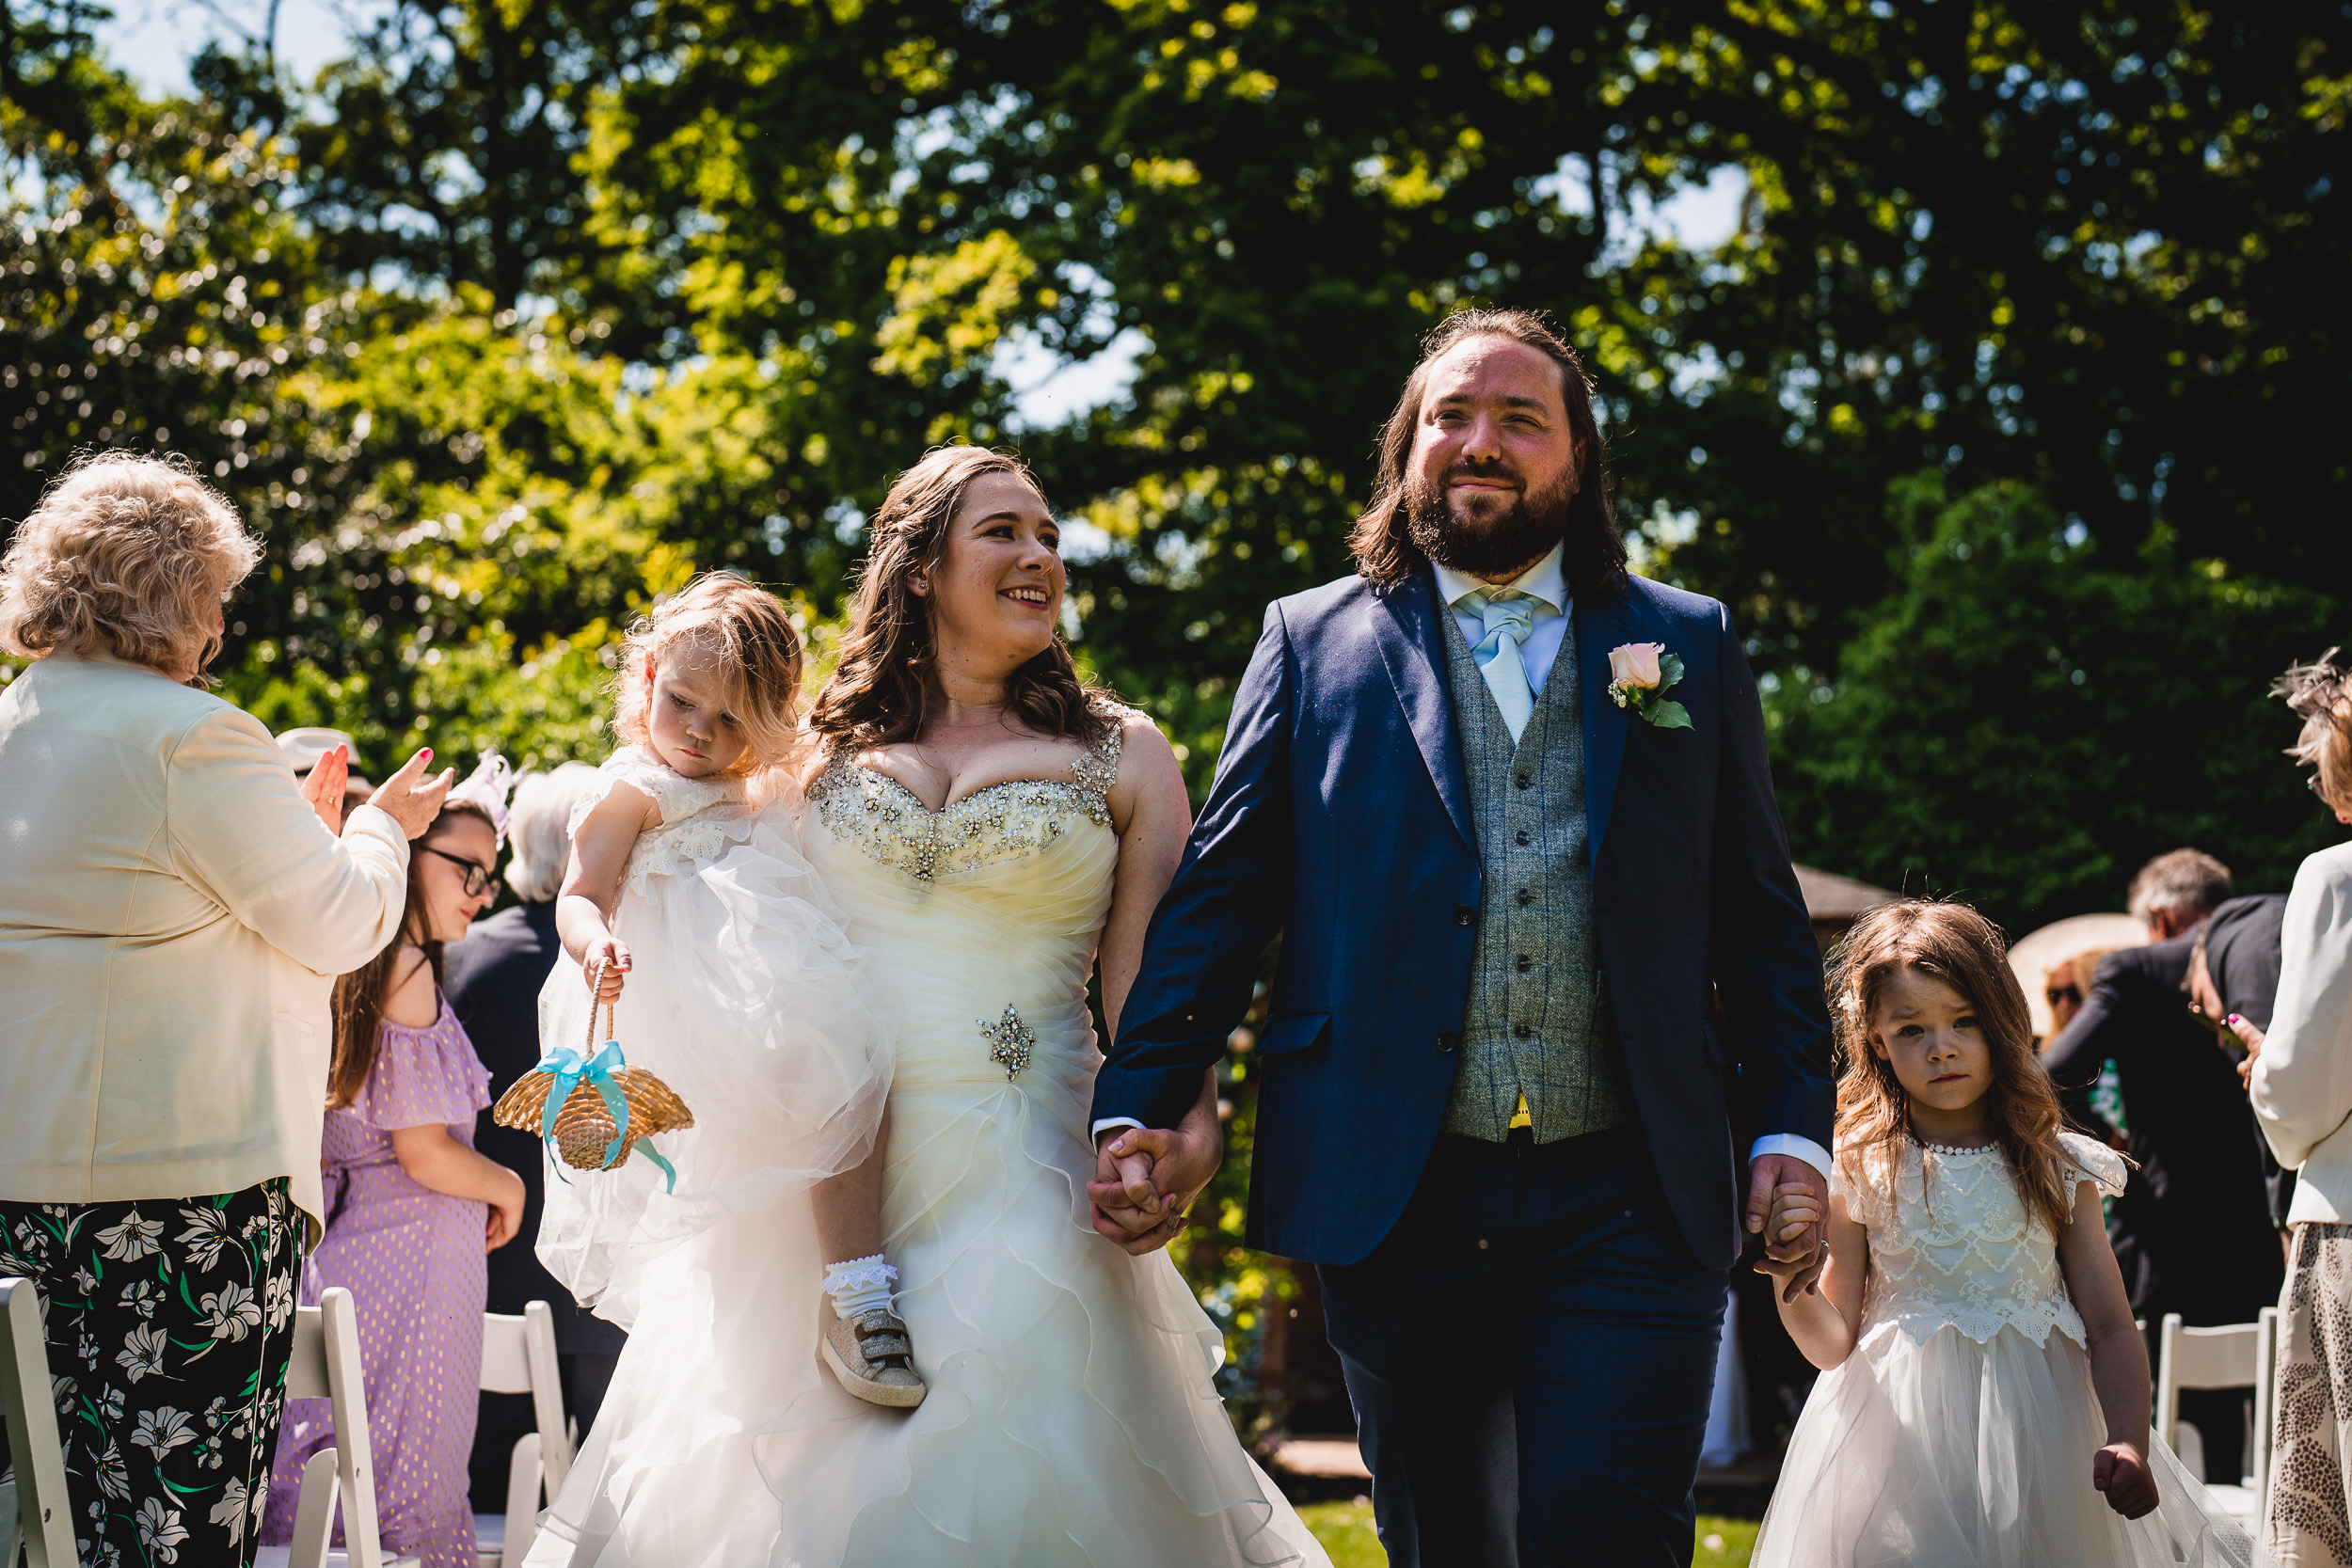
[1953,944]
[882,687]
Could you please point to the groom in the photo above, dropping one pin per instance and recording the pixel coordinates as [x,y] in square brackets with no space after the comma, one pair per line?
[1509,808]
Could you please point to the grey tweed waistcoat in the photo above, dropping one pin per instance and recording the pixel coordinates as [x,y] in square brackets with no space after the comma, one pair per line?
[1538,1022]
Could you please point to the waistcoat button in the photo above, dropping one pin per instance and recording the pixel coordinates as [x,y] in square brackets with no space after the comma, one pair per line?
[1465,915]
[1523,780]
[1446,1043]
[1522,835]
[1520,1031]
[1526,898]
[1525,964]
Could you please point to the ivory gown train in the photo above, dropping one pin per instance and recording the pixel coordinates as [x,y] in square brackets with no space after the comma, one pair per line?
[1073,1416]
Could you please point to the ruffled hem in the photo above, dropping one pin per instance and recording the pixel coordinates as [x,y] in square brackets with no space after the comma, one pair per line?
[1957,1454]
[422,1077]
[1072,1418]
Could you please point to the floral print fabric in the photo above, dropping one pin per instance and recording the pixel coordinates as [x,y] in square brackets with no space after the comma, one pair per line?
[170,1325]
[2307,1525]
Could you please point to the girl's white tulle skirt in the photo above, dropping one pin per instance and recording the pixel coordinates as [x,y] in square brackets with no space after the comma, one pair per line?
[1955,1455]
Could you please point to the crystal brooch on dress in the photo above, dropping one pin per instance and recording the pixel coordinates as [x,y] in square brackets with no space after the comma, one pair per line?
[1009,1042]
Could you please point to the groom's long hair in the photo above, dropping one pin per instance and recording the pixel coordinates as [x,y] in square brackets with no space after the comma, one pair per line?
[1594,557]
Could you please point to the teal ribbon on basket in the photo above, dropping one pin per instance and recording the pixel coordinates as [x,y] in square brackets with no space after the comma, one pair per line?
[602,1070]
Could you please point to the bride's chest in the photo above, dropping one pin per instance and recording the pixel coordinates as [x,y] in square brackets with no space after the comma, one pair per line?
[884,822]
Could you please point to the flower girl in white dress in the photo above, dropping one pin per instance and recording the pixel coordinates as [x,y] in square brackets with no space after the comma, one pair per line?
[1984,1401]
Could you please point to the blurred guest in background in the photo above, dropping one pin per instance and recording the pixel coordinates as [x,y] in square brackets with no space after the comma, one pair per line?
[2302,1085]
[2234,969]
[411,1208]
[171,911]
[2192,1231]
[493,982]
[2069,981]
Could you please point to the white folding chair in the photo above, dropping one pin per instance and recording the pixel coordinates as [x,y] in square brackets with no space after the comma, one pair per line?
[2265,1405]
[518,1358]
[2227,1356]
[38,1522]
[325,1365]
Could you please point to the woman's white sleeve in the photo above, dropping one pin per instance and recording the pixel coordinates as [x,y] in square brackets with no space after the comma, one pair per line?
[240,829]
[2302,1082]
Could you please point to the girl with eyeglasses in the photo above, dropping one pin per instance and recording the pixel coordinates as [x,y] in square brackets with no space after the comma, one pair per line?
[412,1210]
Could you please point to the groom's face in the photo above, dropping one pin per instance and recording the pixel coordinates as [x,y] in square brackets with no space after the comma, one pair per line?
[1494,462]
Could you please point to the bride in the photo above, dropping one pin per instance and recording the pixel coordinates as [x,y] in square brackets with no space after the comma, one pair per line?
[992,830]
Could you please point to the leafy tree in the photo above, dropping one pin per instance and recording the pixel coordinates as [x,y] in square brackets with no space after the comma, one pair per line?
[2029,716]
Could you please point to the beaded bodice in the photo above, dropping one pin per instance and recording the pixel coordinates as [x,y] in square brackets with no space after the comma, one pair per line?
[889,823]
[1953,1243]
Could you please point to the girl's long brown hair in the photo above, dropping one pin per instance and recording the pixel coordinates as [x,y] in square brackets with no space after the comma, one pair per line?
[358,1004]
[882,687]
[1953,944]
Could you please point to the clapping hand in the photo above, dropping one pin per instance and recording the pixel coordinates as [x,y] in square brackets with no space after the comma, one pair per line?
[323,786]
[2251,1038]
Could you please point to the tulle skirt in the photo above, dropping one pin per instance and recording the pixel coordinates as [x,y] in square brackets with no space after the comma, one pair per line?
[746,996]
[1955,1455]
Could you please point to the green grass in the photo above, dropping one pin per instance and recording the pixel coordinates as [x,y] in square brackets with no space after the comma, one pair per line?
[1345,1532]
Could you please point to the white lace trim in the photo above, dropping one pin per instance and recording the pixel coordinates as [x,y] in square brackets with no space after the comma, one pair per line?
[701,818]
[861,1274]
[1952,1243]
[890,823]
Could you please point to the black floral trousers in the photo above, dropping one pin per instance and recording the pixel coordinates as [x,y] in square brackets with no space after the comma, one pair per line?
[169,1325]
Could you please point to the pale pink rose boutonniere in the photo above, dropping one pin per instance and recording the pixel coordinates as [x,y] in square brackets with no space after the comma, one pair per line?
[1640,675]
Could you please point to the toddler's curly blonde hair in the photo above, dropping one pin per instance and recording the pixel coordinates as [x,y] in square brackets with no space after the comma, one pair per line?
[726,623]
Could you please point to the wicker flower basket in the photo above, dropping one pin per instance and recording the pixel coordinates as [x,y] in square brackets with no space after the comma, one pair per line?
[584,1128]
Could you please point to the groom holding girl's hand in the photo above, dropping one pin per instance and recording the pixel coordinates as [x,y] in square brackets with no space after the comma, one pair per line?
[1508,805]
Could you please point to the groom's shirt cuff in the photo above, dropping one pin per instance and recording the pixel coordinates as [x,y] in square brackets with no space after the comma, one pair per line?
[1777,1143]
[1108,1122]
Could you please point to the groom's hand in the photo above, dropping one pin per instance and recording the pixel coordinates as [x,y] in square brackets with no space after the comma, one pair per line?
[1766,1175]
[1177,1164]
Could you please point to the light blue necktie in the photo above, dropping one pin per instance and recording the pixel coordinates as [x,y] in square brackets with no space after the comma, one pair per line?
[1506,614]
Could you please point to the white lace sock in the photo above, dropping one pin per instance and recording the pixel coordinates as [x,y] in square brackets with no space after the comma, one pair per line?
[860,1285]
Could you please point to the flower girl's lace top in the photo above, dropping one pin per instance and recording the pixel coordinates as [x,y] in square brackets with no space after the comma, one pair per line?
[1005,821]
[691,833]
[1952,1241]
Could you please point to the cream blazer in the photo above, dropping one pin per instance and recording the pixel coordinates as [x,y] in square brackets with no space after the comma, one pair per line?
[172,917]
[2302,1082]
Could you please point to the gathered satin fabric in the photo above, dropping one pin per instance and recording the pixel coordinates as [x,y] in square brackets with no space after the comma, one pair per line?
[1073,1416]
[1960,1432]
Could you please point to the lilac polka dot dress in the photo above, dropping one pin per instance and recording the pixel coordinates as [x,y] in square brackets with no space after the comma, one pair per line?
[413,1263]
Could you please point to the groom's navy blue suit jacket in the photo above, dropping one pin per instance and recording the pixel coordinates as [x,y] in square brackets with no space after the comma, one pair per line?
[1341,816]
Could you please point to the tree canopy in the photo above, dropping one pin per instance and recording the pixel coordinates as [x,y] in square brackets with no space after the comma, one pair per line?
[517,316]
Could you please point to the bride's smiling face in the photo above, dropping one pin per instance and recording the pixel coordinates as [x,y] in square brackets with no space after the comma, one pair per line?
[996,589]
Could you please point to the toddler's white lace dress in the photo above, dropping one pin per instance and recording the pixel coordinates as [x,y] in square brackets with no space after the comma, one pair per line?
[748,998]
[1960,1432]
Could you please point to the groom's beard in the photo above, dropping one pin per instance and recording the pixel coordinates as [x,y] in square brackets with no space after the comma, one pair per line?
[1520,534]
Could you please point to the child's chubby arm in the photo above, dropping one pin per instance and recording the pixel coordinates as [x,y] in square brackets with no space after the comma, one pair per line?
[2119,1357]
[1826,1319]
[591,883]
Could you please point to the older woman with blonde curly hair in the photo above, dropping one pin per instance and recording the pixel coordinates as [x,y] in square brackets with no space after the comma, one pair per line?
[173,911]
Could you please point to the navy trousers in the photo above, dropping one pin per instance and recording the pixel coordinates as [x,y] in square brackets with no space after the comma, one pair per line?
[1530,1354]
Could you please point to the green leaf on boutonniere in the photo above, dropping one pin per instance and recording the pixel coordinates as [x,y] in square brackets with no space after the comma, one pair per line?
[1669,672]
[1669,716]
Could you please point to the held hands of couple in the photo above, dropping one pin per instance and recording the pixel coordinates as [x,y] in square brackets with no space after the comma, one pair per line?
[1788,1206]
[1145,1182]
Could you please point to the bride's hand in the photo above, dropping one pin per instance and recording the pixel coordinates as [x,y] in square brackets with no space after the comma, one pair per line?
[1183,1162]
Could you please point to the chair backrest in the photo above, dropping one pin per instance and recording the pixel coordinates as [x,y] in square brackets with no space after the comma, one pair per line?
[2265,1404]
[519,1357]
[40,1511]
[325,1365]
[2224,1357]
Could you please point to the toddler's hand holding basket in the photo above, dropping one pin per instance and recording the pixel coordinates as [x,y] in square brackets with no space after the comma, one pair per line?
[605,1108]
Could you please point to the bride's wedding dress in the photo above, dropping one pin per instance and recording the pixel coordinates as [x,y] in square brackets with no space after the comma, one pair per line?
[1073,1418]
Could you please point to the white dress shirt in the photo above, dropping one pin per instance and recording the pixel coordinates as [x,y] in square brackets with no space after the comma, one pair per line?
[1544,583]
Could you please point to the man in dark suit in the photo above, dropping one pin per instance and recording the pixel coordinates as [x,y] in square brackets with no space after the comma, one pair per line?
[2234,969]
[2192,1231]
[1509,807]
[493,979]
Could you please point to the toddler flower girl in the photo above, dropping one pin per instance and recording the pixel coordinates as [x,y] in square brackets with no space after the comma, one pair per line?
[1984,1393]
[689,901]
